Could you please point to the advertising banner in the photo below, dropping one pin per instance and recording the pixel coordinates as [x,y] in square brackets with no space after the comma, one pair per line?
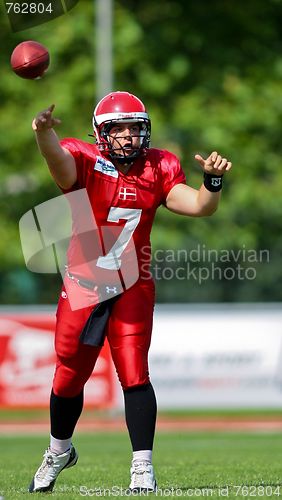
[27,361]
[217,356]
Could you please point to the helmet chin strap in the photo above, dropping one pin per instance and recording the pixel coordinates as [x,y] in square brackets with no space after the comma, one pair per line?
[123,159]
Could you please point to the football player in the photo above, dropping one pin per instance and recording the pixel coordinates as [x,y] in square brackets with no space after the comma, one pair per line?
[125,181]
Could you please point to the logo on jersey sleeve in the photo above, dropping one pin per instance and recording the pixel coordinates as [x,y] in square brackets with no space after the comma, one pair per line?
[105,167]
[127,193]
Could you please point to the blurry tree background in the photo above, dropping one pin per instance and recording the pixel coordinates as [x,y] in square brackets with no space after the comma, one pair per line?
[210,74]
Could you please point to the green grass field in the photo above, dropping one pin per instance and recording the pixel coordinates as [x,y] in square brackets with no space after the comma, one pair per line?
[192,465]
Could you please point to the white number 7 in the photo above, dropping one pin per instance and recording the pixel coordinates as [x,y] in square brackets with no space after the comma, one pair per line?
[112,260]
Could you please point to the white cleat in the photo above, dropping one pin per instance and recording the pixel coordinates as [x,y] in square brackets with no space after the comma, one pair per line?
[142,477]
[45,477]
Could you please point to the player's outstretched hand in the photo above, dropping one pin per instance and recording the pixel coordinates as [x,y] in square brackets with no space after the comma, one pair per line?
[44,120]
[214,164]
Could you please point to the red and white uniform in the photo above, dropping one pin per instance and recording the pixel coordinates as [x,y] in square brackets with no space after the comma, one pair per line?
[124,207]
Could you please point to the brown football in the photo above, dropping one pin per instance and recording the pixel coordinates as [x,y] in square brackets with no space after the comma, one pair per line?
[30,60]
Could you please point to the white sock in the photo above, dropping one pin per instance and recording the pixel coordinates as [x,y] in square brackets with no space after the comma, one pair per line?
[142,456]
[59,446]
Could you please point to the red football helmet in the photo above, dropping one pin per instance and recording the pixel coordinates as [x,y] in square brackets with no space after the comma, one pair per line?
[118,107]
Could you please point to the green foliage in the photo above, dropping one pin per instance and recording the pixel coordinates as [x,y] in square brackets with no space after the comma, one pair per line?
[210,74]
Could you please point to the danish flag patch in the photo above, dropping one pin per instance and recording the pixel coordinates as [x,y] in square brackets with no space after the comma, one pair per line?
[127,193]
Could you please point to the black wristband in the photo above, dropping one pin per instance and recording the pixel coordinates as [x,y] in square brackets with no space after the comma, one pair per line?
[212,182]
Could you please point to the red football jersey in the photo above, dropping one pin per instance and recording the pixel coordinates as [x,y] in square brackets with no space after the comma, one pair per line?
[115,245]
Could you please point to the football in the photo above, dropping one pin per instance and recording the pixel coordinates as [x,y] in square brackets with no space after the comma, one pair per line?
[30,60]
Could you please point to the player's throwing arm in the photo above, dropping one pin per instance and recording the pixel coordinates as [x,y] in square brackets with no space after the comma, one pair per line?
[60,162]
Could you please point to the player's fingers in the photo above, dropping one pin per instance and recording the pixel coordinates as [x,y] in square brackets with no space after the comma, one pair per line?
[41,117]
[46,113]
[213,156]
[56,121]
[217,162]
[222,164]
[211,159]
[44,121]
[38,126]
[200,159]
[40,121]
[227,166]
